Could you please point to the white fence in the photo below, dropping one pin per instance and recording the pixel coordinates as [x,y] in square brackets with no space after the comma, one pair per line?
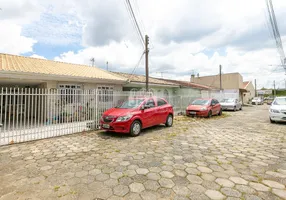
[31,114]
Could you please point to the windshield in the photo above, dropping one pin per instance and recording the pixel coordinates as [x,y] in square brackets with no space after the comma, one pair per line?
[201,102]
[280,101]
[132,103]
[227,100]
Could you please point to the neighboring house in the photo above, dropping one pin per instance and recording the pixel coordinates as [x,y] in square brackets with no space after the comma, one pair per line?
[232,84]
[248,96]
[157,86]
[264,92]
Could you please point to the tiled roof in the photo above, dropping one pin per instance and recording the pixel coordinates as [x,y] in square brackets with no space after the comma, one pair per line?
[245,84]
[142,79]
[191,84]
[21,64]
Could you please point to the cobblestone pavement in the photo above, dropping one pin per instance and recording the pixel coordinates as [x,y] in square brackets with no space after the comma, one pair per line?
[241,156]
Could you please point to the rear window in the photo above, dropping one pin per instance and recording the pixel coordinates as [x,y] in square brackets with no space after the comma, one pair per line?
[161,102]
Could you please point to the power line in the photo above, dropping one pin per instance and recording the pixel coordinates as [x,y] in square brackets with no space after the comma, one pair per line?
[132,22]
[131,12]
[136,66]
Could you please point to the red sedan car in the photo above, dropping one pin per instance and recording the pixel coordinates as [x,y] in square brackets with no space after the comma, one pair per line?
[204,108]
[134,115]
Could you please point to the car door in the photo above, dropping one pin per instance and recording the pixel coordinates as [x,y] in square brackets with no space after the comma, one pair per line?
[148,114]
[162,111]
[215,106]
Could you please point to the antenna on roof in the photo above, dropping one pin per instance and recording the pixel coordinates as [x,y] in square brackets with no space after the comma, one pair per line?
[92,62]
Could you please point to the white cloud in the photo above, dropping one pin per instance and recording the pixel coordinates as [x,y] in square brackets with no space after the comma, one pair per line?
[12,41]
[37,56]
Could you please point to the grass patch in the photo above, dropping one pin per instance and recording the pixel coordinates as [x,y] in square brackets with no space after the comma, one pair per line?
[56,188]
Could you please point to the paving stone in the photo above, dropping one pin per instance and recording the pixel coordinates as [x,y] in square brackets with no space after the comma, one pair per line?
[142,171]
[259,187]
[111,182]
[153,176]
[238,180]
[280,193]
[194,179]
[133,196]
[102,177]
[151,185]
[116,175]
[245,189]
[214,194]
[148,195]
[180,173]
[224,182]
[205,169]
[136,187]
[166,174]
[166,183]
[208,177]
[125,180]
[181,190]
[196,188]
[46,168]
[251,197]
[230,192]
[273,184]
[120,190]
[95,172]
[81,174]
[193,171]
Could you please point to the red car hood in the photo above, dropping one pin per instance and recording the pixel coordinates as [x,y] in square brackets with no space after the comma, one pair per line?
[195,107]
[116,112]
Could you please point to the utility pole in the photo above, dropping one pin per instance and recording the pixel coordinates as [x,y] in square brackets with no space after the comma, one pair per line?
[255,88]
[274,89]
[146,61]
[107,65]
[220,82]
[92,62]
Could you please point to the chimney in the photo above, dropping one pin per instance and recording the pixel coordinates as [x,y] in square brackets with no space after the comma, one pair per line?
[192,78]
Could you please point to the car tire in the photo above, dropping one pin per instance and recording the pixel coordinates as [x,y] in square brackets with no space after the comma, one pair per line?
[271,121]
[234,109]
[210,114]
[169,121]
[240,108]
[135,128]
[220,112]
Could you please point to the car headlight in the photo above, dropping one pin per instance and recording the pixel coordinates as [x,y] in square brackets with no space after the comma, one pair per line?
[274,111]
[203,109]
[124,118]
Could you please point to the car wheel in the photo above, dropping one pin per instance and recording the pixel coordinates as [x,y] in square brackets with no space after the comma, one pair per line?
[210,114]
[169,121]
[220,112]
[234,109]
[271,121]
[240,108]
[135,128]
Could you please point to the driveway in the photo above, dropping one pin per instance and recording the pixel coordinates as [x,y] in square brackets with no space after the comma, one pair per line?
[238,156]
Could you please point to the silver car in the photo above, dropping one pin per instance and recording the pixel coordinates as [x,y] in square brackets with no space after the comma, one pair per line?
[277,111]
[231,104]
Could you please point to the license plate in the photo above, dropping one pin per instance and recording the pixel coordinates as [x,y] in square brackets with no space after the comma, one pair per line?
[105,125]
[193,113]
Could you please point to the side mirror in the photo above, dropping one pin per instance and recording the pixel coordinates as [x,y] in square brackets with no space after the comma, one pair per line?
[142,107]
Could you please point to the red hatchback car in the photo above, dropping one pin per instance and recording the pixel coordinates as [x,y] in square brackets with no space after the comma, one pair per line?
[204,108]
[134,115]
